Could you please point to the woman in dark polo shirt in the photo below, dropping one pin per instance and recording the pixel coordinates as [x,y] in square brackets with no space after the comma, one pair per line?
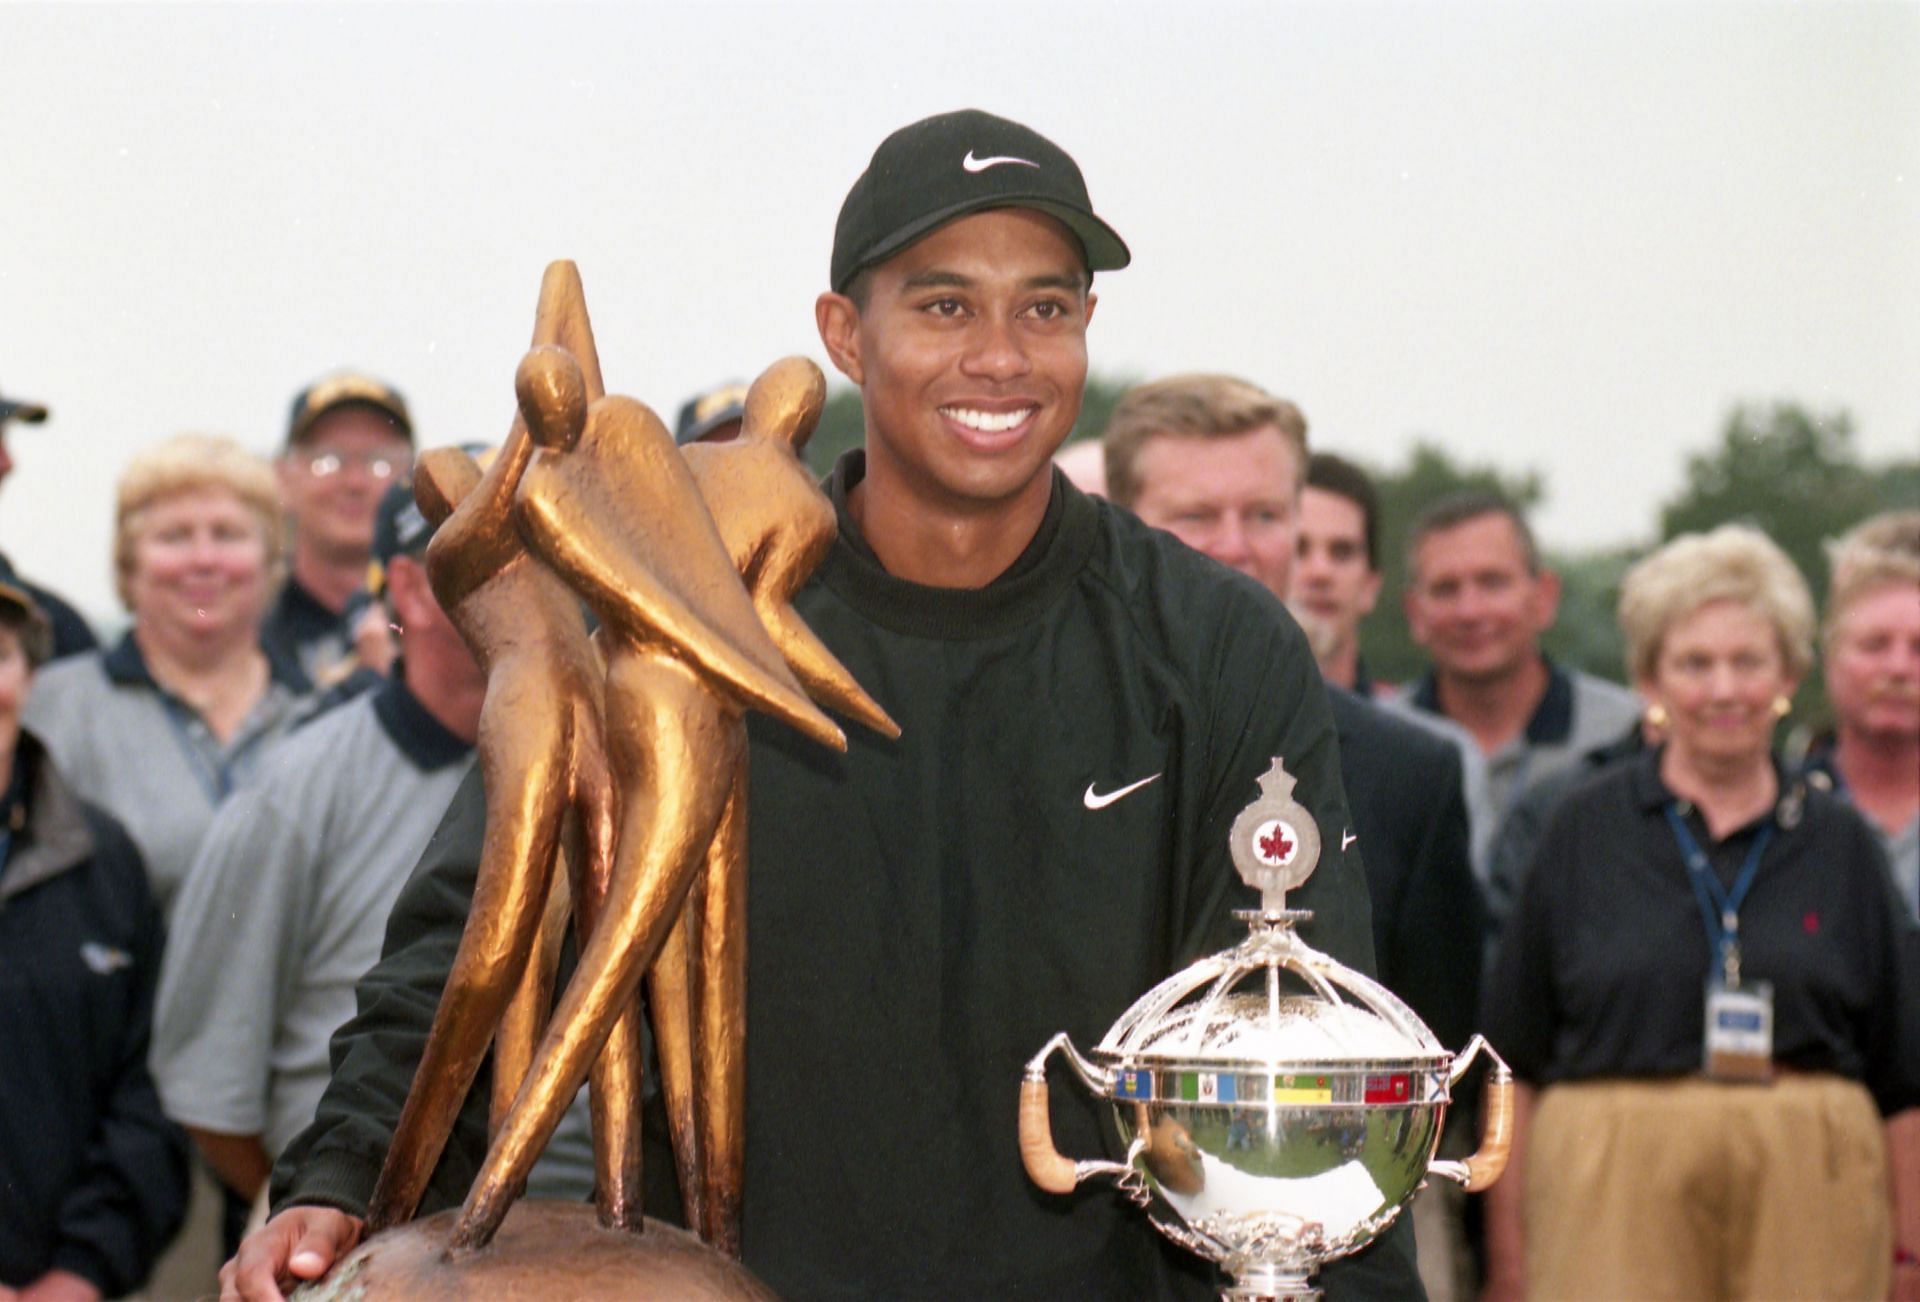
[1708,980]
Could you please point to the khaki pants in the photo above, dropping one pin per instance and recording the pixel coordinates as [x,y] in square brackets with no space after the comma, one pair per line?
[1695,1189]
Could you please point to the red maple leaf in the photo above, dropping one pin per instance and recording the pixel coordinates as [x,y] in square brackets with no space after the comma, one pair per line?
[1275,844]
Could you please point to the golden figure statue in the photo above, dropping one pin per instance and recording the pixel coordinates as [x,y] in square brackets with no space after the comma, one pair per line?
[544,764]
[625,756]
[608,503]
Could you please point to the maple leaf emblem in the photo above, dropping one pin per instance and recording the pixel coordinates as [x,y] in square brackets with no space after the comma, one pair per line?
[1275,845]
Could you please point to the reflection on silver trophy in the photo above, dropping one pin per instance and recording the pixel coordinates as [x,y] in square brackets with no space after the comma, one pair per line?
[1277,1109]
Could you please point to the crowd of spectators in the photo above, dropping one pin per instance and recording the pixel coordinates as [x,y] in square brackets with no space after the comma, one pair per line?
[207,822]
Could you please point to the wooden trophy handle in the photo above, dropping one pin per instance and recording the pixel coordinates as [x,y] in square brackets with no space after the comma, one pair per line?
[1496,1140]
[1045,1166]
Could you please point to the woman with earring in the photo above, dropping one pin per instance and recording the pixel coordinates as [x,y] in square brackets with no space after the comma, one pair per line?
[1708,986]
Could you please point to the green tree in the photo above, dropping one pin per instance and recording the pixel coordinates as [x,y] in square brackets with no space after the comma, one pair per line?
[1793,473]
[842,426]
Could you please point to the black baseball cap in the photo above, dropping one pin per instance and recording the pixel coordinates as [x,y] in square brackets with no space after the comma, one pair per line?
[32,413]
[939,168]
[706,412]
[400,528]
[339,389]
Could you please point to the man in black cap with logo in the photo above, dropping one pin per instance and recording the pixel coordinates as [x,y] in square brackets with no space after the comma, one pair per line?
[1085,707]
[70,631]
[349,439]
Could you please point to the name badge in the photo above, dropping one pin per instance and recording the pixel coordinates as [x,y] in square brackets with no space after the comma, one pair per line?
[1739,1043]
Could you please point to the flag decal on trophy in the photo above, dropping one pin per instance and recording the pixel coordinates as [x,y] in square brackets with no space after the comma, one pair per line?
[1302,1089]
[1396,1088]
[1134,1083]
[1215,1087]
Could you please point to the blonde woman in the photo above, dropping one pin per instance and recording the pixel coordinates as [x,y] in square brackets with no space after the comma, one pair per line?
[1708,981]
[159,727]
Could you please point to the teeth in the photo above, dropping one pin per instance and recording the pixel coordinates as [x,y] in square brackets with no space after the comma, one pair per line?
[987,422]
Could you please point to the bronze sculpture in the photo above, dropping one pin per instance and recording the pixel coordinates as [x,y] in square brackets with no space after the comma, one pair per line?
[628,762]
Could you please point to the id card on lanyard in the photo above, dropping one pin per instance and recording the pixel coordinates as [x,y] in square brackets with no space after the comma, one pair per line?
[1738,1041]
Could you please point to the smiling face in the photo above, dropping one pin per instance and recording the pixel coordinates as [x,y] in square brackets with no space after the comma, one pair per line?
[970,350]
[197,567]
[1718,672]
[1873,663]
[333,479]
[1233,497]
[1474,604]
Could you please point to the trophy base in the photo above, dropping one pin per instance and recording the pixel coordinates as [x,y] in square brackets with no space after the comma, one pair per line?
[543,1250]
[1271,1286]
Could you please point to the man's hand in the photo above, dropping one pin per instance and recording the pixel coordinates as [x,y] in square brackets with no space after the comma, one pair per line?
[56,1286]
[298,1245]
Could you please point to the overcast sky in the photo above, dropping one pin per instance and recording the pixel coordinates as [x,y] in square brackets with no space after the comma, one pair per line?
[1561,237]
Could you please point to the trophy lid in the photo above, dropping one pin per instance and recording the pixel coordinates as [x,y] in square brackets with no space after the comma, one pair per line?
[1272,1000]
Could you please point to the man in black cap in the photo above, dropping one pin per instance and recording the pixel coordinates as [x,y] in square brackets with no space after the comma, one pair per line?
[1085,707]
[70,631]
[349,438]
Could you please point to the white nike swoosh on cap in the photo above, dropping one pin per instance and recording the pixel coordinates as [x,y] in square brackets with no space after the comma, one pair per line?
[972,164]
[1348,840]
[1093,801]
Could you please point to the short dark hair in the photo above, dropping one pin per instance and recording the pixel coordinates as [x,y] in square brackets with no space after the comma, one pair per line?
[1456,509]
[1341,477]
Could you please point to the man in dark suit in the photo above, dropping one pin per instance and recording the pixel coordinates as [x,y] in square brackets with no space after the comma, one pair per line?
[1219,463]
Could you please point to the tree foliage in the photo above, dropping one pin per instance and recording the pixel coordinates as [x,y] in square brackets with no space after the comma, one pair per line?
[1794,474]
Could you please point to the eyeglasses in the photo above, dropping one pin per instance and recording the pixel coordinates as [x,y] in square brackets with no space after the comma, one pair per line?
[378,464]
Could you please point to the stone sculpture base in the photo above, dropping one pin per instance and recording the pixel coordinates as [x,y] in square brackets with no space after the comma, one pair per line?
[544,1250]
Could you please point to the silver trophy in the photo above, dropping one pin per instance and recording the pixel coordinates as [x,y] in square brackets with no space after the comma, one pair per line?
[1277,1109]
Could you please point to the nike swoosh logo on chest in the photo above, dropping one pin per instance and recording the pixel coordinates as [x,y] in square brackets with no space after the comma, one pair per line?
[1094,800]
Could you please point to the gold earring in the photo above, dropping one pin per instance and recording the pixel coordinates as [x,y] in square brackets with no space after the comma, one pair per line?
[1782,707]
[1656,715]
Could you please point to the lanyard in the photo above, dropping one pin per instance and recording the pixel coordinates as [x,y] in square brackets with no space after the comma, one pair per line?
[1719,909]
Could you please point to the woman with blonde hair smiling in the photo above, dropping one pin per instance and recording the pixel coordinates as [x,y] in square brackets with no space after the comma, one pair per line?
[1709,980]
[158,728]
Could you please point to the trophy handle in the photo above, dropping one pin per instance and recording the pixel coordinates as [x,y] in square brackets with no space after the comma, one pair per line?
[1045,1164]
[1486,1163]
